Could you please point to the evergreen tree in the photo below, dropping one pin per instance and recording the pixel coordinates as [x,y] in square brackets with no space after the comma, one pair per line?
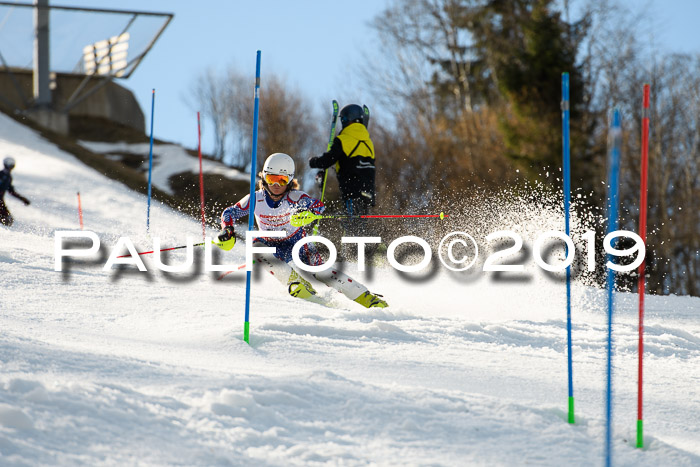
[527,46]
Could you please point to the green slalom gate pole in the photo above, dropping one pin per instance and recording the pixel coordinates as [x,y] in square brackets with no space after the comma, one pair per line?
[643,235]
[613,200]
[251,199]
[567,207]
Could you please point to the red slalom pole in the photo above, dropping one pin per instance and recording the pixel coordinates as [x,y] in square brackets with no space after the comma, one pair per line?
[80,212]
[201,176]
[643,235]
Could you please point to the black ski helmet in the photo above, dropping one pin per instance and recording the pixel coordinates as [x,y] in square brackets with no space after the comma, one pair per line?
[352,113]
[9,163]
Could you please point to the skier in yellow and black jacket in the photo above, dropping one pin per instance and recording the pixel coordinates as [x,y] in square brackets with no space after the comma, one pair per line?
[352,153]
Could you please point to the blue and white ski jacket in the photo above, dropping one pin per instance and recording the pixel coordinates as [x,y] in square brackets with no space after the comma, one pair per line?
[276,215]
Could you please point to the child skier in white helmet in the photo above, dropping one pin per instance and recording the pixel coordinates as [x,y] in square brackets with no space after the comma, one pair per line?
[276,200]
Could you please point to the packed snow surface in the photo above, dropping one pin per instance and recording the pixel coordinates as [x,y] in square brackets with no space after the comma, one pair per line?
[123,367]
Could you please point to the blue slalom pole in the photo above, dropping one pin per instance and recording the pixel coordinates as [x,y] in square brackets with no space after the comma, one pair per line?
[150,164]
[251,199]
[613,180]
[567,206]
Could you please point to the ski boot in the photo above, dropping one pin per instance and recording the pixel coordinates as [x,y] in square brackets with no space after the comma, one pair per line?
[299,287]
[370,300]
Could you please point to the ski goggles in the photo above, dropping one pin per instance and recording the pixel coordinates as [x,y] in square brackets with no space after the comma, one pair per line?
[280,180]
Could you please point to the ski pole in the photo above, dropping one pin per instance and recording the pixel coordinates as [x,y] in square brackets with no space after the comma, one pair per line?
[336,108]
[225,245]
[229,272]
[306,217]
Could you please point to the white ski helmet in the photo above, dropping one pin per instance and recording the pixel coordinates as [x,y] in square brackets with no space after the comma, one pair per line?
[9,163]
[279,163]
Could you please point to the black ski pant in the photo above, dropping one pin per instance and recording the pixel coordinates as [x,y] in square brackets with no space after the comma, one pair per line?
[353,225]
[5,216]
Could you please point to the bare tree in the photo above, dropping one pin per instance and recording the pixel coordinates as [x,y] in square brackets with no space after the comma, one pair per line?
[674,174]
[618,64]
[428,43]
[444,137]
[287,123]
[446,128]
[211,98]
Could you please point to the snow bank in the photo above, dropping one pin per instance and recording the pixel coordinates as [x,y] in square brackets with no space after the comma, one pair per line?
[168,160]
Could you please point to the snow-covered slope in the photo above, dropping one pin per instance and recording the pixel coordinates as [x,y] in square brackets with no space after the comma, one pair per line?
[127,368]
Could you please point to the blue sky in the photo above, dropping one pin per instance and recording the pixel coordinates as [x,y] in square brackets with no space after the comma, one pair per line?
[311,43]
[314,44]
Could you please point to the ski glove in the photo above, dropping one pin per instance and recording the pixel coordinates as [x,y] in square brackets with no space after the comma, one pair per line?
[226,234]
[26,201]
[313,163]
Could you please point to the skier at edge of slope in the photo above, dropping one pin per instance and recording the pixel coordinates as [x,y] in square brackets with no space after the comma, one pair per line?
[6,218]
[277,199]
